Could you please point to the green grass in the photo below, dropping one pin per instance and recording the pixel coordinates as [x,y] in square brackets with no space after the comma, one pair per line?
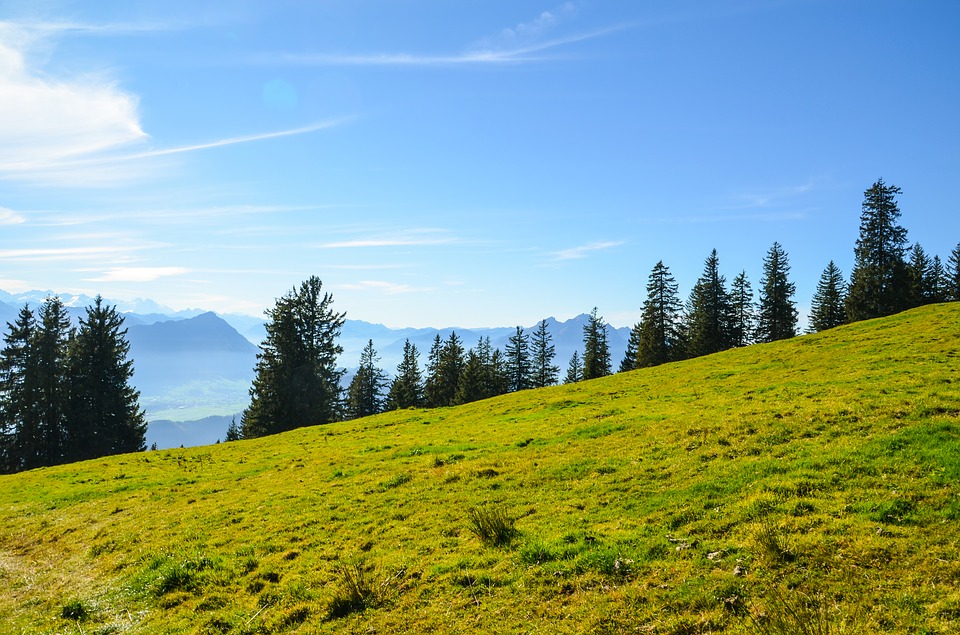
[808,484]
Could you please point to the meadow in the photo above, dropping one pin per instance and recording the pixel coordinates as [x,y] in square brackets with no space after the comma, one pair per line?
[806,486]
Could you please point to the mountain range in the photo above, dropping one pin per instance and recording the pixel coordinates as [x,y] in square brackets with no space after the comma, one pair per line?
[194,367]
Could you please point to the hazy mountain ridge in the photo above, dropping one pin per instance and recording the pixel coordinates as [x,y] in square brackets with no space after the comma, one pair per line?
[194,368]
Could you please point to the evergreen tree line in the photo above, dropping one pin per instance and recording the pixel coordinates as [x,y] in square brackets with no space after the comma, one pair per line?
[453,375]
[65,392]
[297,380]
[887,278]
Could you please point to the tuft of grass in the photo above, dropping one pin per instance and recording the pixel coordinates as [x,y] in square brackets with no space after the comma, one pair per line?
[492,525]
[76,610]
[794,612]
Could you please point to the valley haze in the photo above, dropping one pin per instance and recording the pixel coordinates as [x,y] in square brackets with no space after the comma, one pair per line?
[194,368]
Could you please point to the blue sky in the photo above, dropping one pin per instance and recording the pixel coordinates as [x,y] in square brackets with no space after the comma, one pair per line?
[470,163]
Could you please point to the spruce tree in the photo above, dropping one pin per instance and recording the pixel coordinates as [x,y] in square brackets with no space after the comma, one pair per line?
[406,389]
[629,361]
[827,308]
[920,278]
[50,348]
[953,275]
[104,415]
[475,379]
[574,369]
[596,350]
[365,393]
[432,384]
[518,361]
[499,377]
[19,396]
[777,318]
[544,370]
[233,432]
[710,316]
[743,311]
[939,284]
[661,335]
[879,281]
[446,366]
[297,380]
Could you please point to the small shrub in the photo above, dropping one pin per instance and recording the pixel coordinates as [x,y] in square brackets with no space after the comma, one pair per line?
[492,526]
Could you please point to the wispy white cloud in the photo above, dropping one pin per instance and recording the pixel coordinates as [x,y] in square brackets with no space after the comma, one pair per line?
[138,274]
[43,118]
[529,41]
[582,251]
[10,217]
[390,288]
[50,254]
[419,237]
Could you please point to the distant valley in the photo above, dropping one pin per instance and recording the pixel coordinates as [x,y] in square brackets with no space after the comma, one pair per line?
[194,367]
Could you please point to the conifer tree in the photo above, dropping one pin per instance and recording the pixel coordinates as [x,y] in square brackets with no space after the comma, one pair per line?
[920,277]
[827,308]
[431,386]
[574,369]
[233,432]
[661,335]
[743,311]
[499,377]
[50,348]
[939,284]
[629,361]
[710,317]
[447,364]
[475,381]
[777,318]
[406,390]
[879,281]
[104,415]
[365,393]
[297,380]
[953,275]
[544,370]
[596,350]
[518,361]
[19,396]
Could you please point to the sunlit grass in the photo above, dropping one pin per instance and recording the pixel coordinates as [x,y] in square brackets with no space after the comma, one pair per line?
[711,496]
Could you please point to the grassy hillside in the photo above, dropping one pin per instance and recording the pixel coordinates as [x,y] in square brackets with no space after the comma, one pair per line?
[814,481]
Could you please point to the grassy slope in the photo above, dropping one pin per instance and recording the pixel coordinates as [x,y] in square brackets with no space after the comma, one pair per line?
[818,475]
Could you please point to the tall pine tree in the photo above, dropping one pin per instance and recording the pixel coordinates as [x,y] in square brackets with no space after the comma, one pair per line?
[777,318]
[365,393]
[596,349]
[104,415]
[297,381]
[574,369]
[406,389]
[879,281]
[19,396]
[827,308]
[629,361]
[661,335]
[50,348]
[743,311]
[710,317]
[544,370]
[920,277]
[953,275]
[519,366]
